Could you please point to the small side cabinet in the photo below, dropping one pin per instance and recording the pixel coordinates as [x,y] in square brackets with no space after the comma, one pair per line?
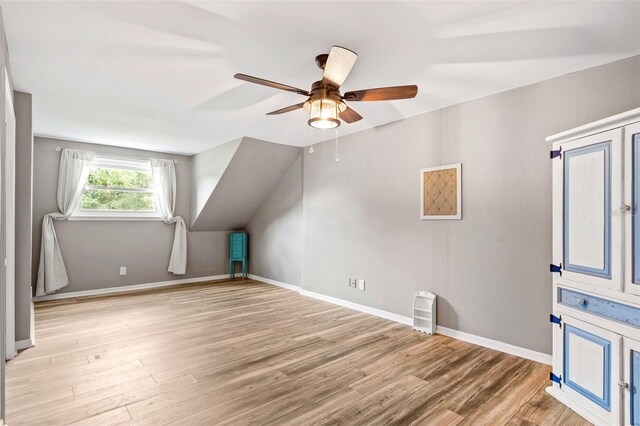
[424,312]
[238,244]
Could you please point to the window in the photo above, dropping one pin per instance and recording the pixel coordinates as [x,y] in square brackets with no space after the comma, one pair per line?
[118,188]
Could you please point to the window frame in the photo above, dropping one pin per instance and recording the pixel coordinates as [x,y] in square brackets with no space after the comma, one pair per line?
[123,163]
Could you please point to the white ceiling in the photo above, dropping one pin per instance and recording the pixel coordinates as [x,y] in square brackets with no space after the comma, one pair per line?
[159,75]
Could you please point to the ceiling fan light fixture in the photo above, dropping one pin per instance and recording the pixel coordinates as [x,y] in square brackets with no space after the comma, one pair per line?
[323,114]
[324,103]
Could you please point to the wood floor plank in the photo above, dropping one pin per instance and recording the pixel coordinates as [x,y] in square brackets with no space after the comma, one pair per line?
[446,392]
[241,352]
[313,411]
[170,405]
[91,404]
[443,417]
[274,407]
[503,404]
[545,411]
[375,404]
[113,417]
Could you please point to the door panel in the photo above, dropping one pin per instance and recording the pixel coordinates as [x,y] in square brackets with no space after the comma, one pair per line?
[591,367]
[589,244]
[587,365]
[587,192]
[632,199]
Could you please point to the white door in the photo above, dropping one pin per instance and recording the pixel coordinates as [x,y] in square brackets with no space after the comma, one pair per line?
[10,220]
[632,199]
[589,358]
[586,210]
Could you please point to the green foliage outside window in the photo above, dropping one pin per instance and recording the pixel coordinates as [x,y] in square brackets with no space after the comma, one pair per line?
[117,189]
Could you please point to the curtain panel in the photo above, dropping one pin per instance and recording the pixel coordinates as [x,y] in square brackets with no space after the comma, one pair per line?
[75,166]
[164,181]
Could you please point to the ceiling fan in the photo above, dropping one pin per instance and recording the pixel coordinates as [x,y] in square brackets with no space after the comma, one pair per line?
[325,104]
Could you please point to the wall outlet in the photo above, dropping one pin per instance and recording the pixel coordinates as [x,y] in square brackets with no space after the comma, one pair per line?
[361,285]
[123,270]
[354,282]
[349,282]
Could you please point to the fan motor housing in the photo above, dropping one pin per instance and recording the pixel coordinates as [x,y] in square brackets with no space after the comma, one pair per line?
[322,90]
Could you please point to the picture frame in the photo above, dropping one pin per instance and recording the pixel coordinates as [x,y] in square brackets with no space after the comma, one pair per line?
[441,192]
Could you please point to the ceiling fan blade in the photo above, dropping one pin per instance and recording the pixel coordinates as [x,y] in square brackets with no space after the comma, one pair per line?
[273,84]
[338,66]
[383,93]
[287,109]
[350,116]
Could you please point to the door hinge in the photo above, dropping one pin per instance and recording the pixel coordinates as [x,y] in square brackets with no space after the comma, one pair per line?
[555,268]
[555,379]
[556,153]
[556,320]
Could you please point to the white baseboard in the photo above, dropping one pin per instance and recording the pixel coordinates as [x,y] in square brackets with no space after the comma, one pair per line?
[460,335]
[24,344]
[358,307]
[497,345]
[276,283]
[126,288]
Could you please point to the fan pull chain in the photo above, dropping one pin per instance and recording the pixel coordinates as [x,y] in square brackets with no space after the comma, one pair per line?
[311,148]
[337,156]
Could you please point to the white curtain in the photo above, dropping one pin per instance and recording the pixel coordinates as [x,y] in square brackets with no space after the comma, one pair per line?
[72,176]
[164,181]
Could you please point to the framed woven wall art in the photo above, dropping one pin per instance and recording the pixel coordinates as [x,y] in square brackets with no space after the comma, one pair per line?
[441,192]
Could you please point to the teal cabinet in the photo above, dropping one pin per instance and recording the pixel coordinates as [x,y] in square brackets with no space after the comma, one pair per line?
[238,248]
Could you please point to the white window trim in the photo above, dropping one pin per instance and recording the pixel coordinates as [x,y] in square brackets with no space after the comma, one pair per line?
[125,163]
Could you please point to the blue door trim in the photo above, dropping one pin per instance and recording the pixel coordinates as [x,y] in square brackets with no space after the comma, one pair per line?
[635,383]
[635,195]
[605,272]
[604,402]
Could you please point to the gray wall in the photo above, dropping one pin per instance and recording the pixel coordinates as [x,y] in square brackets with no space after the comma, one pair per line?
[275,232]
[93,251]
[24,196]
[490,270]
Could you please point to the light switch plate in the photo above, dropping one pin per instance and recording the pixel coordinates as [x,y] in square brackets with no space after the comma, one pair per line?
[361,285]
[123,270]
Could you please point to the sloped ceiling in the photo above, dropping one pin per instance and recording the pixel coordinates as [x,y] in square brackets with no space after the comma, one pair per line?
[158,75]
[208,167]
[228,199]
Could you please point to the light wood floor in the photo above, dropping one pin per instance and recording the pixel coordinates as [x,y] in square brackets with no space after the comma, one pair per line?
[244,352]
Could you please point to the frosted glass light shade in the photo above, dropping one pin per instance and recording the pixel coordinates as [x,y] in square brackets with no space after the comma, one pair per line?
[323,114]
